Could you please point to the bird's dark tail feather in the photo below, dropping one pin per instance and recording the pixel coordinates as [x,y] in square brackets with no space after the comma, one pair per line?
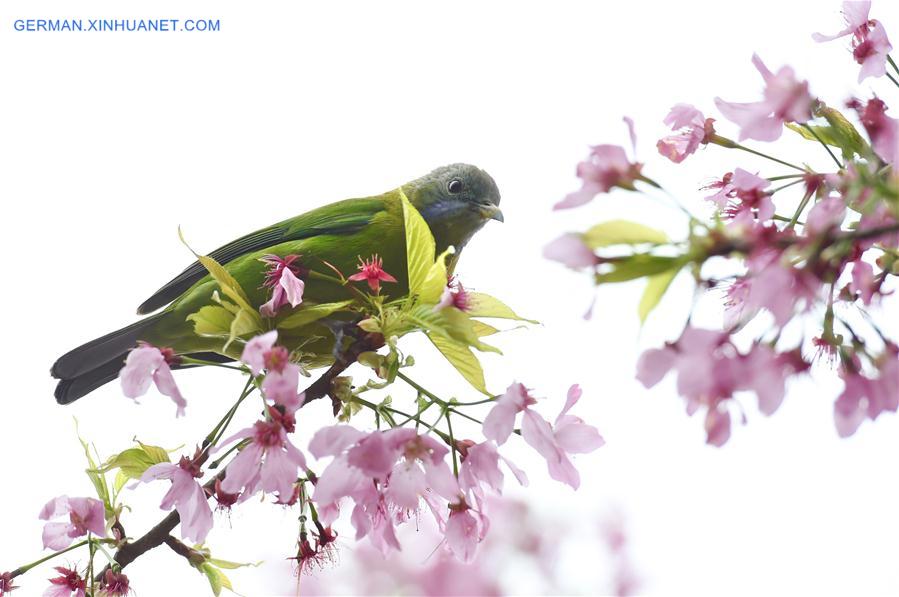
[101,351]
[70,390]
[91,365]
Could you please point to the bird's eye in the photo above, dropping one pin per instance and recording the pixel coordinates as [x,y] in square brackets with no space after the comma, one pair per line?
[454,186]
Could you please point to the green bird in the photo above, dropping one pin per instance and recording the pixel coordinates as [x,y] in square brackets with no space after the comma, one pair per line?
[455,201]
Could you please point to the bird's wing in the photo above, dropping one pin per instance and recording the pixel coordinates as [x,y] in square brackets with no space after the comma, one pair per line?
[343,217]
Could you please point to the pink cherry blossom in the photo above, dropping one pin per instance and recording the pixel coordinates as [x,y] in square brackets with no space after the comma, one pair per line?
[384,473]
[500,421]
[186,495]
[115,584]
[86,515]
[870,45]
[882,129]
[372,272]
[270,462]
[480,468]
[256,349]
[741,194]
[570,250]
[863,281]
[692,130]
[780,288]
[606,167]
[462,533]
[454,295]
[867,397]
[282,377]
[147,363]
[283,277]
[68,584]
[710,370]
[825,215]
[6,585]
[568,435]
[785,100]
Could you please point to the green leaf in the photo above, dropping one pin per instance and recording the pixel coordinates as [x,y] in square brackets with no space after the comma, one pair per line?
[212,321]
[484,305]
[230,287]
[637,266]
[656,286]
[838,132]
[420,246]
[450,323]
[436,279]
[461,357]
[243,324]
[97,479]
[622,232]
[217,579]
[133,462]
[231,565]
[310,313]
[482,329]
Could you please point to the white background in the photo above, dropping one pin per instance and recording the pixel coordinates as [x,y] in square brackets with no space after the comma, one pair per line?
[109,141]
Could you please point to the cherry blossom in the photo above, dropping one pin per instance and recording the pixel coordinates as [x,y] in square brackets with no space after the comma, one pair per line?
[785,100]
[6,586]
[372,272]
[606,167]
[270,462]
[148,363]
[870,46]
[283,277]
[570,250]
[115,584]
[282,377]
[383,473]
[68,584]
[454,295]
[463,533]
[710,370]
[186,495]
[882,129]
[867,397]
[692,130]
[86,515]
[569,435]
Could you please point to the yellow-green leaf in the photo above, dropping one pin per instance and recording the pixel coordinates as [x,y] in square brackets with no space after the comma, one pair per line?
[622,232]
[656,286]
[310,313]
[637,266]
[484,305]
[243,324]
[461,357]
[217,579]
[212,321]
[133,462]
[435,280]
[482,329]
[420,246]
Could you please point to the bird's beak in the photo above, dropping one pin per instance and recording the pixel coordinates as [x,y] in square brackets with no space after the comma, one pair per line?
[492,212]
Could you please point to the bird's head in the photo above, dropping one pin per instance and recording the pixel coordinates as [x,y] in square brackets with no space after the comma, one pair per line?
[455,201]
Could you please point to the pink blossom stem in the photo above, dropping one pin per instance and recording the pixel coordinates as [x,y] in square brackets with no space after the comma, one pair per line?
[730,144]
[893,64]
[216,434]
[23,569]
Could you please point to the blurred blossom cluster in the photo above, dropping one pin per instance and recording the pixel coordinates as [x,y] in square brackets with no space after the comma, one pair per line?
[808,249]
